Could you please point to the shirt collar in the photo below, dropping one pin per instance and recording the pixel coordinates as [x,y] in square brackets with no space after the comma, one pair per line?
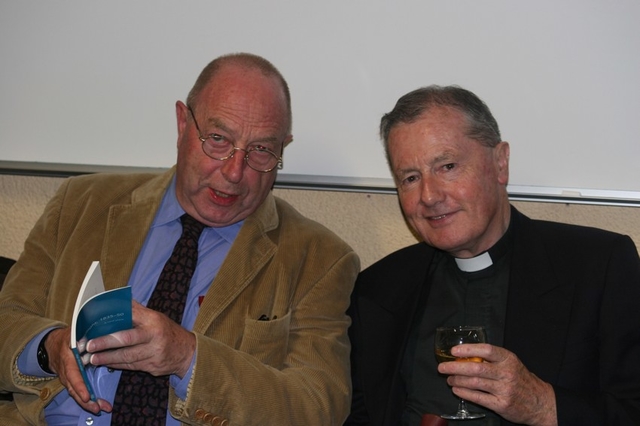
[474,264]
[487,258]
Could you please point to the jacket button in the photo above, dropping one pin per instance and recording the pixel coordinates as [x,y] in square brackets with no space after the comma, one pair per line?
[207,418]
[44,393]
[200,414]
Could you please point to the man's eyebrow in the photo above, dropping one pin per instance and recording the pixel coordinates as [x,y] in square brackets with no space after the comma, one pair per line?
[405,170]
[444,156]
[271,139]
[218,123]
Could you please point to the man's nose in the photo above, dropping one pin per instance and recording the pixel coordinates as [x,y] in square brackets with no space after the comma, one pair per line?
[431,191]
[233,167]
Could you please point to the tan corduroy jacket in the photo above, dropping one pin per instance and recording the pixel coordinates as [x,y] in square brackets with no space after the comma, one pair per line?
[291,370]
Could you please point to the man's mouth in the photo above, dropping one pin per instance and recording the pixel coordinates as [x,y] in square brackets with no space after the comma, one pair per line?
[442,216]
[222,194]
[222,198]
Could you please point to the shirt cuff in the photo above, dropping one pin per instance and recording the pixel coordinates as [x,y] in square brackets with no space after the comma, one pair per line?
[180,386]
[28,359]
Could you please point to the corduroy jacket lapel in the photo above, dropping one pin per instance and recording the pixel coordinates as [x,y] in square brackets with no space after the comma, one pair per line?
[127,228]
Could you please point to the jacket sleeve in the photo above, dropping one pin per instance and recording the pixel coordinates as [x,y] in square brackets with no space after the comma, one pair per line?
[25,311]
[618,401]
[358,414]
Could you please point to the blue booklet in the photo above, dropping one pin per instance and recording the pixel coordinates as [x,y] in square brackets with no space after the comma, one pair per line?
[97,313]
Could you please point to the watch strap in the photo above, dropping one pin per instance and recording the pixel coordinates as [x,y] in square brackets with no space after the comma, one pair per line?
[43,356]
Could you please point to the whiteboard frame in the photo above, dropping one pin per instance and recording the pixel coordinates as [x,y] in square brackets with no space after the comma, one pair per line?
[341,184]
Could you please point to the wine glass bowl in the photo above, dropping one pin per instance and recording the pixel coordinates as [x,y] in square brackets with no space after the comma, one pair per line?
[448,337]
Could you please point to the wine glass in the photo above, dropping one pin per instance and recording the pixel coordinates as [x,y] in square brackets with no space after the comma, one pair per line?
[447,338]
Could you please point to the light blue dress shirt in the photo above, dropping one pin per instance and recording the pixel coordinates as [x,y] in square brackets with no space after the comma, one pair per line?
[213,246]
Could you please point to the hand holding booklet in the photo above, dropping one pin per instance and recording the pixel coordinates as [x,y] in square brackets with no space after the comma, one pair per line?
[97,313]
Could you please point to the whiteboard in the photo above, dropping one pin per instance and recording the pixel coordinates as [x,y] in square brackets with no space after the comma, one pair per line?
[89,82]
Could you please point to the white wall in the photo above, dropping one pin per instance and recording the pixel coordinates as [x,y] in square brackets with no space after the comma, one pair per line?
[93,82]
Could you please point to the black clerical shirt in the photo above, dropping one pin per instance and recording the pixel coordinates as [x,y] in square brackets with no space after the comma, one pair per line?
[456,298]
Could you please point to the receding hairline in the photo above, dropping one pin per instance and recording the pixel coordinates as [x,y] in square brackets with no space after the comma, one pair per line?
[246,61]
[480,124]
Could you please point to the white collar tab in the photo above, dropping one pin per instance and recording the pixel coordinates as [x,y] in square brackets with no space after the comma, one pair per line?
[475,264]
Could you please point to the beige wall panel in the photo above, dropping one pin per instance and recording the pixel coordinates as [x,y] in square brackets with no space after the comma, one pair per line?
[371,223]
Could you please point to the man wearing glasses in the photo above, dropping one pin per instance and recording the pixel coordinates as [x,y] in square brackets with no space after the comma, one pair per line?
[262,337]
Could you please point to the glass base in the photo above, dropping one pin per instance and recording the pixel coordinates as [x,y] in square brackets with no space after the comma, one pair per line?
[462,415]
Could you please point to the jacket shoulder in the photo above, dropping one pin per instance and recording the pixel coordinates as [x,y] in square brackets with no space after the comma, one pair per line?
[105,189]
[406,258]
[393,280]
[560,236]
[109,181]
[572,250]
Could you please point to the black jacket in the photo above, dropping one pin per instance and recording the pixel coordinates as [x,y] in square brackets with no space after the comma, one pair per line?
[573,318]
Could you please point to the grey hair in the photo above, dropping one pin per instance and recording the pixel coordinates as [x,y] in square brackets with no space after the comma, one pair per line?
[482,126]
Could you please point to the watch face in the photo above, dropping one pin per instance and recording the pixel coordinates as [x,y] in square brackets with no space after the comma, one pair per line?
[43,357]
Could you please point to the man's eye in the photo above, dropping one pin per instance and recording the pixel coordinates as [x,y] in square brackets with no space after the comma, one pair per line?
[410,179]
[217,138]
[449,166]
[260,148]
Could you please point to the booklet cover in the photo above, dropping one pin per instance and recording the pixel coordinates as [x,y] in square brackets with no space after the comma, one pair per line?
[97,313]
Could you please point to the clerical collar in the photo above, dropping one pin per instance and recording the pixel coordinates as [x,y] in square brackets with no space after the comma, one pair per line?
[487,258]
[475,264]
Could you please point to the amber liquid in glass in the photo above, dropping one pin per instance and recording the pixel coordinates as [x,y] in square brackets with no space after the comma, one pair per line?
[443,355]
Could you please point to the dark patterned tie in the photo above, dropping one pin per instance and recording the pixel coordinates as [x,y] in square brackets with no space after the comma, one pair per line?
[142,399]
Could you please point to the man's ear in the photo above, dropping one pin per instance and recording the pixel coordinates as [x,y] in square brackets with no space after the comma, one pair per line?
[182,116]
[287,140]
[502,152]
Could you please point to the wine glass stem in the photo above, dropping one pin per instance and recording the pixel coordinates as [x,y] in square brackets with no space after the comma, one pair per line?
[462,409]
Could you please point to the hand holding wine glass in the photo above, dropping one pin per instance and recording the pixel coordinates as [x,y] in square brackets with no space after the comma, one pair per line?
[448,337]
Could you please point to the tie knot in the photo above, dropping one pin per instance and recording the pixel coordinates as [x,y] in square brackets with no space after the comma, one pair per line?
[191,227]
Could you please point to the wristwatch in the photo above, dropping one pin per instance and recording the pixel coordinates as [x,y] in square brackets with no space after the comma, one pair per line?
[43,356]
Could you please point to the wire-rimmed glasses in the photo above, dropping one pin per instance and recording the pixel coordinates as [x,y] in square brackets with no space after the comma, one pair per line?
[259,158]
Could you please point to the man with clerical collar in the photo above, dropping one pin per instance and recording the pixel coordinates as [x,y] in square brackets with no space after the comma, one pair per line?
[558,301]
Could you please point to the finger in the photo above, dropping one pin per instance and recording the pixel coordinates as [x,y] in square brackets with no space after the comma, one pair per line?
[69,373]
[455,368]
[118,358]
[472,350]
[145,321]
[105,405]
[73,381]
[88,405]
[81,345]
[116,340]
[94,407]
